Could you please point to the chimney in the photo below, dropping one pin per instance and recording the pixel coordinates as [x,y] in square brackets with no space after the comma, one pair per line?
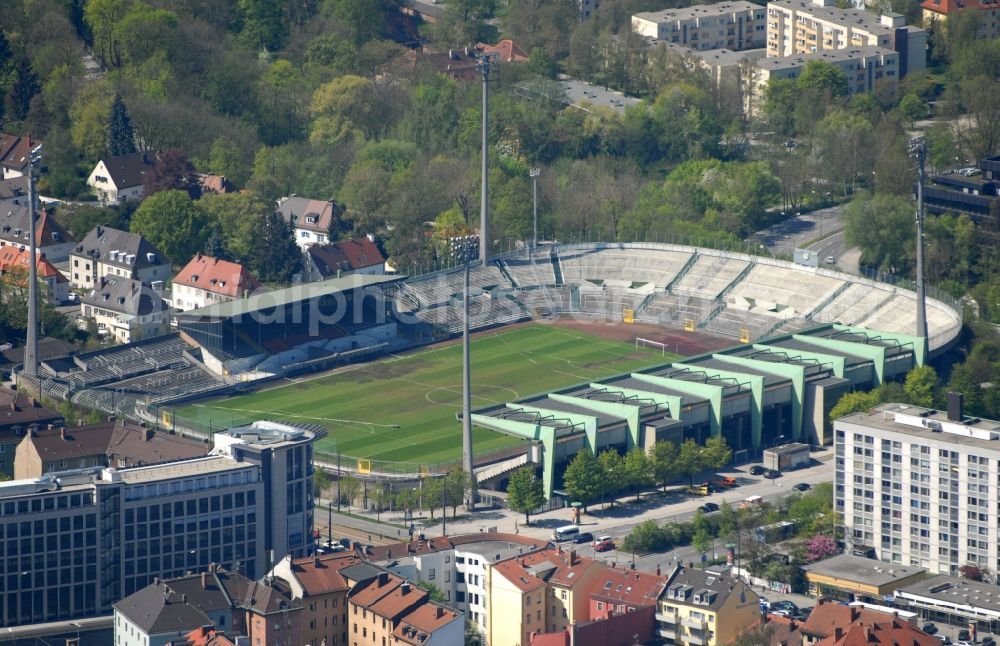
[184,598]
[838,633]
[149,434]
[62,433]
[439,612]
[657,570]
[404,587]
[572,557]
[204,580]
[955,406]
[383,578]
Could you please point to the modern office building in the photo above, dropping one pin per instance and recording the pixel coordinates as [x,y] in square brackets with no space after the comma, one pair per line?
[72,543]
[727,25]
[807,26]
[919,486]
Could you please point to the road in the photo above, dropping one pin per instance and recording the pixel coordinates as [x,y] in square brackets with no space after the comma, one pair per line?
[821,231]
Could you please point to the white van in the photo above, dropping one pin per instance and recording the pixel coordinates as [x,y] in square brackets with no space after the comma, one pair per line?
[565,533]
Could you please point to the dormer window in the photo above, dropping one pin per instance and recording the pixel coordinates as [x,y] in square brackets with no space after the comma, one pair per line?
[151,257]
[312,219]
[56,236]
[194,278]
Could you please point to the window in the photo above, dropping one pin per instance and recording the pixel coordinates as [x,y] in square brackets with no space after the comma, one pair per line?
[430,575]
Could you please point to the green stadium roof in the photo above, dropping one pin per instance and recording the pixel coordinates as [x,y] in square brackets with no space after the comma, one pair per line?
[286,296]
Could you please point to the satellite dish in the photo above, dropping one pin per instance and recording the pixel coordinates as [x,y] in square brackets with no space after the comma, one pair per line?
[805,255]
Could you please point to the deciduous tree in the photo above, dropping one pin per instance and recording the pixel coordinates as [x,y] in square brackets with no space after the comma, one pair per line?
[525,492]
[690,460]
[582,478]
[613,475]
[173,223]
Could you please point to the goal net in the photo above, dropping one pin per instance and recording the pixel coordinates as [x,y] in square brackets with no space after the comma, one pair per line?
[649,343]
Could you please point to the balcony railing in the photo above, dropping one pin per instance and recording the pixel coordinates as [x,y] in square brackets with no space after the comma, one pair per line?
[694,624]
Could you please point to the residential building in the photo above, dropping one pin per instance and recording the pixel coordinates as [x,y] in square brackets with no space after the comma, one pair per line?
[14,270]
[14,155]
[317,581]
[204,636]
[831,617]
[206,280]
[457,565]
[388,610]
[110,252]
[856,578]
[703,608]
[126,310]
[588,7]
[50,236]
[507,50]
[966,190]
[808,26]
[868,69]
[122,178]
[202,604]
[918,486]
[337,259]
[311,219]
[19,412]
[116,444]
[892,631]
[218,184]
[987,14]
[735,25]
[90,537]
[549,589]
[621,591]
[953,601]
[612,630]
[13,192]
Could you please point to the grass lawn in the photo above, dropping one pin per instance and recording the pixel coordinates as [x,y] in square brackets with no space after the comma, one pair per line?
[420,392]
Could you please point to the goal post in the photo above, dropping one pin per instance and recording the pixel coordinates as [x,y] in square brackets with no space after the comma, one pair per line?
[645,343]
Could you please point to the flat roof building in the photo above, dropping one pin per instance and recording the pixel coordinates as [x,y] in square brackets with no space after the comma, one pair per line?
[953,601]
[850,577]
[726,25]
[919,486]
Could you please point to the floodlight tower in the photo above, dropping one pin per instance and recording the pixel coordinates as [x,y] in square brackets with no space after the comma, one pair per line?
[918,151]
[534,173]
[463,248]
[31,343]
[487,63]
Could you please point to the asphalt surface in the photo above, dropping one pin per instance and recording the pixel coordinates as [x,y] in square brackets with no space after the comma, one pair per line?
[821,231]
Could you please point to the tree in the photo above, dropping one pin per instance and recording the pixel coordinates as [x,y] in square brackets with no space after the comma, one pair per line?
[690,460]
[638,470]
[24,87]
[913,108]
[103,18]
[525,492]
[822,78]
[240,220]
[432,493]
[921,386]
[121,137]
[276,257]
[173,223]
[976,572]
[172,170]
[761,635]
[728,520]
[582,478]
[663,456]
[350,489]
[321,481]
[855,402]
[456,483]
[613,476]
[343,108]
[716,454]
[882,226]
[819,547]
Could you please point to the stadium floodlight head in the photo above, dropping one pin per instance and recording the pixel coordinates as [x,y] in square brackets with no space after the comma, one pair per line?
[534,172]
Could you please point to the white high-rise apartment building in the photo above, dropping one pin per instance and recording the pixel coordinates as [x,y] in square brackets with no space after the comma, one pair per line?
[920,486]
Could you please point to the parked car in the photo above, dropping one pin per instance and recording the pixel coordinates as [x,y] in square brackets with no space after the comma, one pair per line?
[709,507]
[964,636]
[604,544]
[801,486]
[929,628]
[830,260]
[962,642]
[583,537]
[988,641]
[757,470]
[803,614]
[788,606]
[778,612]
[772,474]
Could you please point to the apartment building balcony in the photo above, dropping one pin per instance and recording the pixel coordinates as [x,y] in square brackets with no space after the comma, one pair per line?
[693,624]
[695,637]
[667,633]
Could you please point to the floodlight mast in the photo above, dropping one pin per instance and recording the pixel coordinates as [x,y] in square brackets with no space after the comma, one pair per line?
[30,367]
[464,249]
[918,151]
[486,64]
[534,173]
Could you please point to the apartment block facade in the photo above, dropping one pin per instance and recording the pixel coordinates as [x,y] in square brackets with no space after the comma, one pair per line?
[810,26]
[74,542]
[919,486]
[702,608]
[734,25]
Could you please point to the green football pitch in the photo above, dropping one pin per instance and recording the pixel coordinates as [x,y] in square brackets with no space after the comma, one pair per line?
[402,408]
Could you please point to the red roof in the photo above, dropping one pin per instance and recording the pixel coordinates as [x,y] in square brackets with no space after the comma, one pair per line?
[13,258]
[508,50]
[550,639]
[416,626]
[889,633]
[322,575]
[628,587]
[827,616]
[948,7]
[531,571]
[206,636]
[387,595]
[346,255]
[217,276]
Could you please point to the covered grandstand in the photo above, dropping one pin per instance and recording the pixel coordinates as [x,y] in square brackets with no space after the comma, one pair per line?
[728,294]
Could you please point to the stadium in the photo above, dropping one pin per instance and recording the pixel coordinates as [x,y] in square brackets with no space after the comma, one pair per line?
[593,327]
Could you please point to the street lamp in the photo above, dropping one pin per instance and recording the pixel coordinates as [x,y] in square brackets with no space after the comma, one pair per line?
[534,173]
[918,151]
[464,249]
[31,342]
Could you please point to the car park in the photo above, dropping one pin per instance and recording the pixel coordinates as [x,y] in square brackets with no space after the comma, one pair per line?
[709,507]
[583,537]
[801,486]
[604,544]
[757,470]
